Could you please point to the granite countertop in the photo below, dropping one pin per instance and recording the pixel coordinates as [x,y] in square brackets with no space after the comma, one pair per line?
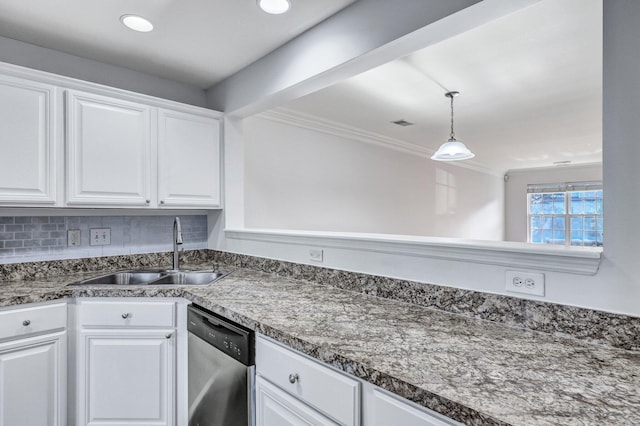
[475,371]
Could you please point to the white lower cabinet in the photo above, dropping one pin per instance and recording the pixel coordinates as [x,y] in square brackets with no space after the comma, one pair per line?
[33,366]
[129,370]
[128,376]
[385,409]
[276,407]
[293,389]
[128,367]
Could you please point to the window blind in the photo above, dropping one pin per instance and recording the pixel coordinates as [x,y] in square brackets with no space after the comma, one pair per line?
[563,187]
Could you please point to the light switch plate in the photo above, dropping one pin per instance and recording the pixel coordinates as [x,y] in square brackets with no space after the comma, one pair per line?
[100,237]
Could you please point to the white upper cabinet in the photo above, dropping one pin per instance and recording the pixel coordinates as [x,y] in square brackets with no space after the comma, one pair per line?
[28,142]
[188,160]
[103,147]
[108,151]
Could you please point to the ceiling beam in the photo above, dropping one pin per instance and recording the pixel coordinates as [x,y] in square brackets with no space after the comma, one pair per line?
[365,34]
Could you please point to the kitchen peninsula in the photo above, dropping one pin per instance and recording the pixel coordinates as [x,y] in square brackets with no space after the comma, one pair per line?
[474,371]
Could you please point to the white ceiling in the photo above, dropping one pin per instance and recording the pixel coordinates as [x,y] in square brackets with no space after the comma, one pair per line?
[530,84]
[194,41]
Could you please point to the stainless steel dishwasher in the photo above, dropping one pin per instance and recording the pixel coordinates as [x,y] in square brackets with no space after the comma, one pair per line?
[221,371]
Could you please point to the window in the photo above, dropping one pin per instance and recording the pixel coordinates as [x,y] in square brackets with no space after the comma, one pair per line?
[566,213]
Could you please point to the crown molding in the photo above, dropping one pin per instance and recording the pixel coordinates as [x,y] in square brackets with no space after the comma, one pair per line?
[71,83]
[334,128]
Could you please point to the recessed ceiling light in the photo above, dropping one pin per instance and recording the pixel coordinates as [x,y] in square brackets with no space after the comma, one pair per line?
[275,7]
[137,23]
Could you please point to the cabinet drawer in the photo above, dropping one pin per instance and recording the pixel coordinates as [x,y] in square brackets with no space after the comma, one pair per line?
[126,314]
[328,391]
[32,319]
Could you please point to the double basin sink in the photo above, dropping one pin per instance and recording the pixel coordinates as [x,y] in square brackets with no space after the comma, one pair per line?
[156,277]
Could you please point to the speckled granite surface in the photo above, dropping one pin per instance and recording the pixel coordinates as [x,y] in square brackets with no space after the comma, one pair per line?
[37,270]
[620,331]
[474,371]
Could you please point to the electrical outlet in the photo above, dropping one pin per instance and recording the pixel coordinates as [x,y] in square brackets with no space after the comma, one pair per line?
[316,255]
[100,237]
[525,282]
[73,237]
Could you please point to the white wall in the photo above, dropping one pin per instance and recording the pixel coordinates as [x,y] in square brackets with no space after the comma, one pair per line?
[304,179]
[56,62]
[615,287]
[516,191]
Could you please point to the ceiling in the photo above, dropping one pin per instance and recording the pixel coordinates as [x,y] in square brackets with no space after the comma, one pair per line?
[199,42]
[530,90]
[530,82]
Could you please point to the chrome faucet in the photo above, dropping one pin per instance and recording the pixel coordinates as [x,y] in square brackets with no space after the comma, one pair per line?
[177,240]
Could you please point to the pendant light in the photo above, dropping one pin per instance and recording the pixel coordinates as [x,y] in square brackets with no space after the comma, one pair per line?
[452,150]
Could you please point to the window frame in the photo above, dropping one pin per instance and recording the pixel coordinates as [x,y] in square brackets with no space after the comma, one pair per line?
[566,189]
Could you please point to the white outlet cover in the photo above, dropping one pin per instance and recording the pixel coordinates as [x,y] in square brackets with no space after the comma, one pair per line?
[316,255]
[73,237]
[515,282]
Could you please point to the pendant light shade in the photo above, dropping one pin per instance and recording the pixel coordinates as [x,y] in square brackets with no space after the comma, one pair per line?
[452,150]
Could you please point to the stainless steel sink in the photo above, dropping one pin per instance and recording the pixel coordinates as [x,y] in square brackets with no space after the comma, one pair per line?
[190,277]
[135,277]
[156,277]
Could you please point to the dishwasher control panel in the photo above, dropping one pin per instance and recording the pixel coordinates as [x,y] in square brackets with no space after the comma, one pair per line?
[232,339]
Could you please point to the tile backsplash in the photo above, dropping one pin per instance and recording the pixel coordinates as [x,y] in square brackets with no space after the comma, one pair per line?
[35,238]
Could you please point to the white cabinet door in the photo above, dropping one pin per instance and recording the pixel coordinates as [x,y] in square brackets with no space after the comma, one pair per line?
[188,160]
[28,142]
[126,377]
[276,408]
[385,410]
[32,381]
[109,154]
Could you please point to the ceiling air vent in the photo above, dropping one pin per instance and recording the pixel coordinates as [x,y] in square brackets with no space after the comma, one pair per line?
[403,123]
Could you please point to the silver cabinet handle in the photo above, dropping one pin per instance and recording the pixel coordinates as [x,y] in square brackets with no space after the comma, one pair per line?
[168,336]
[148,201]
[293,378]
[161,201]
[126,315]
[26,322]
